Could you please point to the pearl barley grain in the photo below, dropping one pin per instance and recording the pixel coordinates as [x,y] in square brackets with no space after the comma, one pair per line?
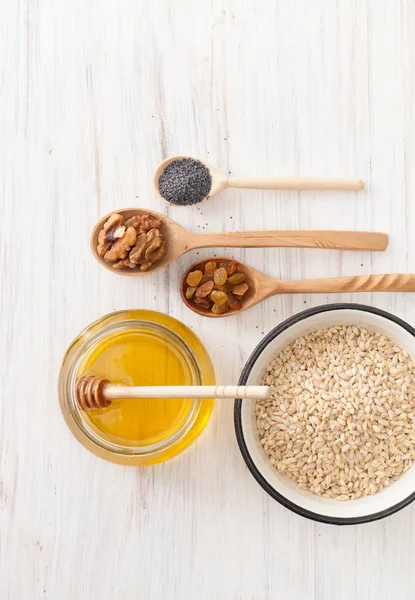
[340,421]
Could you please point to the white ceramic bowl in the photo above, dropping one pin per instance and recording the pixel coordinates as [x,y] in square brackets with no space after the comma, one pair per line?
[282,489]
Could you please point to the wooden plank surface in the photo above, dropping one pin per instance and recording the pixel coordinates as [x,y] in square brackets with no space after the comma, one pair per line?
[93,94]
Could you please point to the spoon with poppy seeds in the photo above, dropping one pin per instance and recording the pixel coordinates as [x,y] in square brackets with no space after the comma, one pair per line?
[94,392]
[253,286]
[185,181]
[179,241]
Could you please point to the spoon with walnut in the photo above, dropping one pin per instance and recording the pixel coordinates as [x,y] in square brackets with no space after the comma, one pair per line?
[178,240]
[255,287]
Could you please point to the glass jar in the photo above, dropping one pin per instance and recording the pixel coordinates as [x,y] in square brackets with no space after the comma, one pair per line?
[137,347]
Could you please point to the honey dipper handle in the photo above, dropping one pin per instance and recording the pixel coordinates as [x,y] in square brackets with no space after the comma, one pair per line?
[296,183]
[255,392]
[360,283]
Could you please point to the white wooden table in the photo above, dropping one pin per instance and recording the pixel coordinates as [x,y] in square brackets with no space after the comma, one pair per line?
[93,94]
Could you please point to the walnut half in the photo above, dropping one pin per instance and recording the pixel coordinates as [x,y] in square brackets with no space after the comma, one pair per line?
[122,246]
[143,223]
[114,239]
[148,248]
[112,230]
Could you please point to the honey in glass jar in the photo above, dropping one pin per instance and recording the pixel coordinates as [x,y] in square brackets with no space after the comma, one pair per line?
[137,347]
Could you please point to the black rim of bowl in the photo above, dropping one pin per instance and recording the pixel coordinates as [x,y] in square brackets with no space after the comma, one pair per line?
[238,421]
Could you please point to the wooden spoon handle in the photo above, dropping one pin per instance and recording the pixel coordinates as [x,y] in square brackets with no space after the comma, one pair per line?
[295,183]
[360,283]
[255,392]
[332,240]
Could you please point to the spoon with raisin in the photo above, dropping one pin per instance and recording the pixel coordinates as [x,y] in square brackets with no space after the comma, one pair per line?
[220,287]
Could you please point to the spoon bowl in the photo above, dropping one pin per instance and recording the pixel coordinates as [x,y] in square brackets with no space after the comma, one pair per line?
[254,279]
[179,240]
[174,234]
[220,181]
[261,286]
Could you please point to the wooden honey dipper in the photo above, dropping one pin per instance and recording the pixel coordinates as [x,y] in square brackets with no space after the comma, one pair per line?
[97,392]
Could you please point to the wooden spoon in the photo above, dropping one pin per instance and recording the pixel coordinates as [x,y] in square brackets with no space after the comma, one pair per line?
[179,240]
[261,286]
[96,392]
[220,181]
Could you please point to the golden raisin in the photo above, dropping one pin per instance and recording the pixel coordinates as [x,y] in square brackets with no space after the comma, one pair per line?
[230,266]
[218,297]
[239,290]
[219,309]
[190,291]
[194,278]
[220,276]
[237,278]
[219,288]
[202,302]
[210,267]
[233,302]
[204,290]
[228,287]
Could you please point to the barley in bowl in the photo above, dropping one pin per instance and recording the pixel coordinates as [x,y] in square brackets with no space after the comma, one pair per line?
[341,418]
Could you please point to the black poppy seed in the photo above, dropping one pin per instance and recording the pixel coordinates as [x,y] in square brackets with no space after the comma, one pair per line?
[185,182]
